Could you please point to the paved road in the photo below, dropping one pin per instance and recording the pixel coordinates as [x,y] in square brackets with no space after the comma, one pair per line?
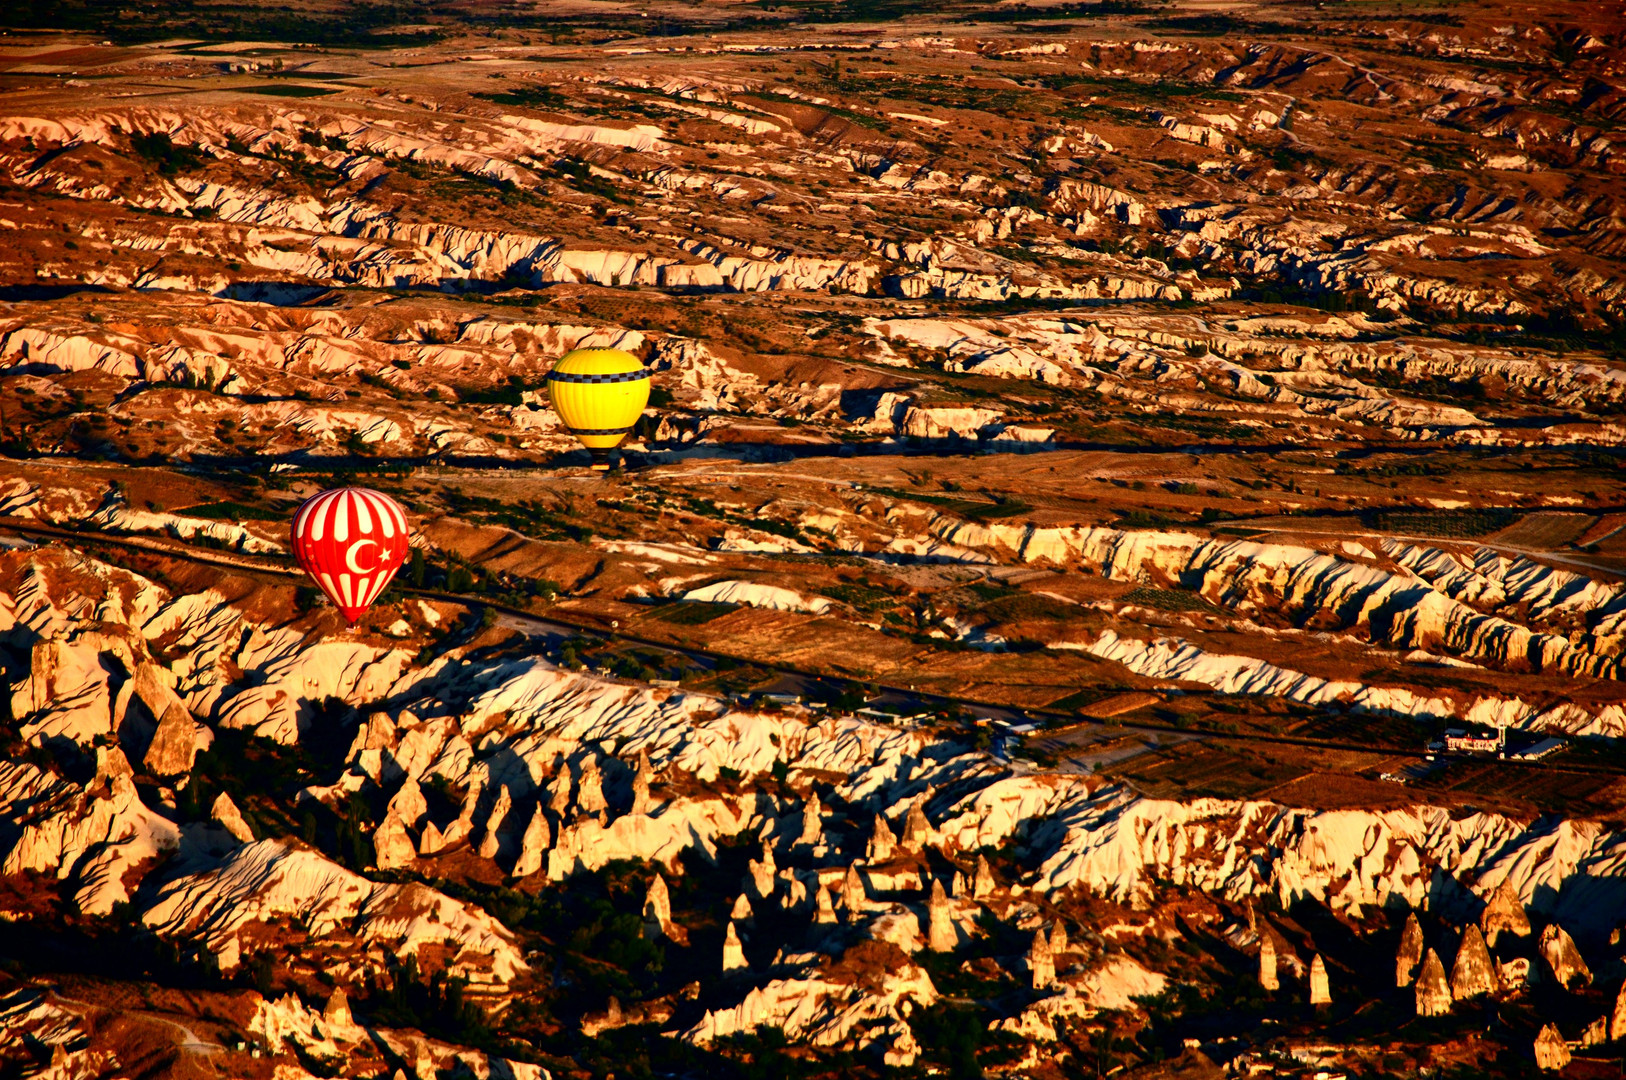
[190,1042]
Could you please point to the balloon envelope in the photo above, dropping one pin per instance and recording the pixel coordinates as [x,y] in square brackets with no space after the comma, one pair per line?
[599,394]
[351,541]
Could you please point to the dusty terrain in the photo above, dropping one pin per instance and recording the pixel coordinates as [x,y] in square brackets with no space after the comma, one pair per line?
[1097,452]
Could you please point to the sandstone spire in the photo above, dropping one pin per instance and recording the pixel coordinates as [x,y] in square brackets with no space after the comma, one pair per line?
[430,840]
[1041,962]
[1552,1052]
[490,844]
[958,887]
[590,789]
[1433,992]
[337,1011]
[852,893]
[1410,953]
[1473,973]
[225,812]
[983,884]
[534,847]
[1267,964]
[812,821]
[1058,938]
[1617,1019]
[882,844]
[733,951]
[742,910]
[1562,958]
[392,847]
[409,804]
[559,793]
[1320,993]
[460,828]
[940,935]
[917,831]
[658,902]
[824,910]
[1503,911]
[173,746]
[641,802]
[762,873]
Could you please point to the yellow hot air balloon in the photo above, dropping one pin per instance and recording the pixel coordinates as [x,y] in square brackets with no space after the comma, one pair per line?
[599,394]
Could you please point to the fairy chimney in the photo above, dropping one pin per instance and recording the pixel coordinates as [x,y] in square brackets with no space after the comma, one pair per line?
[1617,1019]
[852,893]
[1433,992]
[641,802]
[590,789]
[392,847]
[496,822]
[1041,961]
[983,884]
[658,902]
[1410,953]
[1552,1052]
[1320,993]
[940,935]
[733,951]
[337,1011]
[882,843]
[917,831]
[1563,959]
[1504,911]
[1267,964]
[824,909]
[812,822]
[1472,973]
[226,814]
[533,847]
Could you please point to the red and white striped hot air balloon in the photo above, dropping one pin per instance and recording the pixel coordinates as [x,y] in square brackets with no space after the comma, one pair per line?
[351,541]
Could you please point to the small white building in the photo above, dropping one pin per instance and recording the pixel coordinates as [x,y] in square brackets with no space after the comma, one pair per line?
[1465,742]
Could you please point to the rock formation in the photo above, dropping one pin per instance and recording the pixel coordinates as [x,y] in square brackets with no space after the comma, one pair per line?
[642,803]
[917,831]
[534,845]
[590,789]
[392,846]
[982,885]
[941,935]
[1562,958]
[1267,964]
[1552,1052]
[733,951]
[1433,993]
[1041,962]
[496,823]
[1472,973]
[882,844]
[225,812]
[174,744]
[812,822]
[1320,993]
[1410,952]
[1504,911]
[824,910]
[853,893]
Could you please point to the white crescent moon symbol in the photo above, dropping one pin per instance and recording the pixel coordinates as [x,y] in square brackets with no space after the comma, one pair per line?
[350,556]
